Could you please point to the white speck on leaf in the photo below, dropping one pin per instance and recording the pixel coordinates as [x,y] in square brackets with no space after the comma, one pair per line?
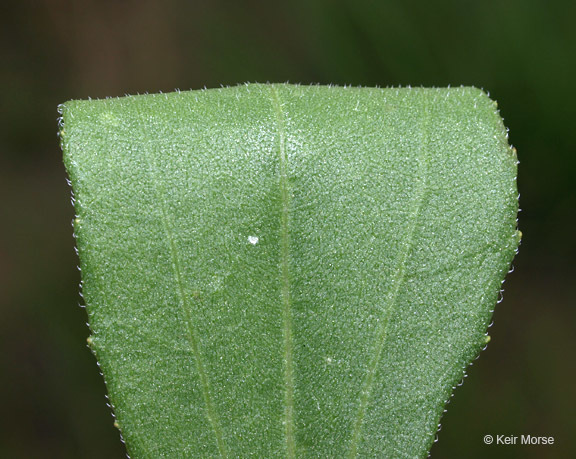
[253,240]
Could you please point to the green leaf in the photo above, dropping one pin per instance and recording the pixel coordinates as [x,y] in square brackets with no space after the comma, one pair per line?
[289,271]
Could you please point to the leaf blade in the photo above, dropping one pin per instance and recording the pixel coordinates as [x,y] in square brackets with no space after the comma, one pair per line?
[327,180]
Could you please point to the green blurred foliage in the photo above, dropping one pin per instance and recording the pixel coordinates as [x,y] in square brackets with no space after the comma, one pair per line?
[521,51]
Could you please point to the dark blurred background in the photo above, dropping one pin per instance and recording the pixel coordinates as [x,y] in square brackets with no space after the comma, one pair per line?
[522,52]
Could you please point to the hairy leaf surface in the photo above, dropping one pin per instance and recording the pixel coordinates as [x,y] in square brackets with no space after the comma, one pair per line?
[289,271]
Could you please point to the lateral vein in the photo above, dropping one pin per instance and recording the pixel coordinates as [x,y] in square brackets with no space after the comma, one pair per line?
[185,304]
[398,281]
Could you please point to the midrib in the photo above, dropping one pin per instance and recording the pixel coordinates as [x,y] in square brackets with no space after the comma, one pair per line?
[285,279]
